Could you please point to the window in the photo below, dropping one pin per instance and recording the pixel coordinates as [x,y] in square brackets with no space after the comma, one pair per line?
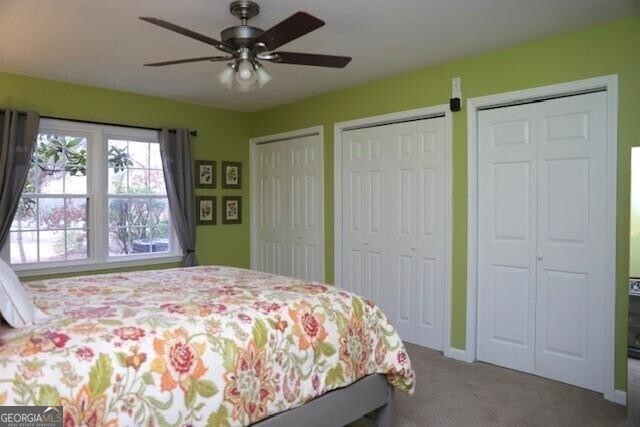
[94,195]
[51,221]
[138,206]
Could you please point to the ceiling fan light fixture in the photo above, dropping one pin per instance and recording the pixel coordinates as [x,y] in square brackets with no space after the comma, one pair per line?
[226,76]
[263,77]
[245,75]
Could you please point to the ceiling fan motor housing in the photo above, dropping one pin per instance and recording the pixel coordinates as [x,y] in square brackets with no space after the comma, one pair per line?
[241,35]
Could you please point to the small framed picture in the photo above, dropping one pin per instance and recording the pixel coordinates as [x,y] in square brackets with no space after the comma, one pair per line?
[231,175]
[206,210]
[232,210]
[205,171]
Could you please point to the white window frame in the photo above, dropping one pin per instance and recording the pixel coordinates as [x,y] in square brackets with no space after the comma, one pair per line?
[97,190]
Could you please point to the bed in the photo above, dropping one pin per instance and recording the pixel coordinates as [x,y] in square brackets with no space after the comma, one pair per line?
[215,346]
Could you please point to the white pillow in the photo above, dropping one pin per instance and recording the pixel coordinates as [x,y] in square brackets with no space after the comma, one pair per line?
[16,307]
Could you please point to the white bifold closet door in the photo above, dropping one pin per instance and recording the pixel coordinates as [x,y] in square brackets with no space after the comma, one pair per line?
[393,207]
[289,211]
[541,236]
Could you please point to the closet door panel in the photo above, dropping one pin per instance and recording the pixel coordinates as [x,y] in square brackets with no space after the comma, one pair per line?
[403,200]
[507,237]
[394,192]
[289,185]
[364,200]
[272,199]
[304,228]
[431,199]
[571,247]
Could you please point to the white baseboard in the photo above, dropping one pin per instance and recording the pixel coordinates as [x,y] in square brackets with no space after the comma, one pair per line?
[620,397]
[456,353]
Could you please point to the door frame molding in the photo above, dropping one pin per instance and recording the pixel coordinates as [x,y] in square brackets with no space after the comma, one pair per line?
[317,131]
[441,110]
[607,83]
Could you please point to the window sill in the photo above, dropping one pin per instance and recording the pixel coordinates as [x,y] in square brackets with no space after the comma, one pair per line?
[31,271]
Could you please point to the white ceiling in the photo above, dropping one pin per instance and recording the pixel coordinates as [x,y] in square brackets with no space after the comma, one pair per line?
[102,43]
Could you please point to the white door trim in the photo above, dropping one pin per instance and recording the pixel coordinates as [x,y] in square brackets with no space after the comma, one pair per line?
[608,83]
[401,116]
[284,136]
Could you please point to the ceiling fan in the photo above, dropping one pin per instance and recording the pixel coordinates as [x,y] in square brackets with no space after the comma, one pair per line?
[245,46]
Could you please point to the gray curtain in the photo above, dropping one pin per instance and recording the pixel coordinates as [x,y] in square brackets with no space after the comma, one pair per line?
[18,134]
[175,149]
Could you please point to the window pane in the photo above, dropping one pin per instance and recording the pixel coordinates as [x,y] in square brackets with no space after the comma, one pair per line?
[77,244]
[138,212]
[117,181]
[52,245]
[160,239]
[156,182]
[75,184]
[118,161]
[138,181]
[141,240]
[155,161]
[76,152]
[51,213]
[139,154]
[51,181]
[32,180]
[119,241]
[24,247]
[56,156]
[76,212]
[118,212]
[158,211]
[129,240]
[118,145]
[76,166]
[26,215]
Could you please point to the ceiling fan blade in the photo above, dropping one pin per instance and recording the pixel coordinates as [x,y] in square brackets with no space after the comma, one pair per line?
[297,25]
[187,32]
[184,61]
[311,59]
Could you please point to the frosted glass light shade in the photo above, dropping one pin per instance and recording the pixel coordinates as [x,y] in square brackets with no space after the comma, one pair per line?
[263,76]
[226,77]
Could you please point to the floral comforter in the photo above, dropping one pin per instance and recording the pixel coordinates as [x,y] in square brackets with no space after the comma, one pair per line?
[214,346]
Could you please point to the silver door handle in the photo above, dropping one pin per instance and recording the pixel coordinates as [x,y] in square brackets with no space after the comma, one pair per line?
[539,257]
[413,248]
[366,243]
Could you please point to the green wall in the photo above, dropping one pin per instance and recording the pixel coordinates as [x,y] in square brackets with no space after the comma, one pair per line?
[222,135]
[606,49]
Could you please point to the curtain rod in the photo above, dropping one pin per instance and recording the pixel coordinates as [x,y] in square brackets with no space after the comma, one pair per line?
[193,132]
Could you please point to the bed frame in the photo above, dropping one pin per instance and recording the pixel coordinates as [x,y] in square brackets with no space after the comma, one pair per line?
[342,406]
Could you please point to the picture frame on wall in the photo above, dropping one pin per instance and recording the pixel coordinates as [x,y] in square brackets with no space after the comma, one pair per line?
[232,210]
[206,210]
[205,171]
[232,175]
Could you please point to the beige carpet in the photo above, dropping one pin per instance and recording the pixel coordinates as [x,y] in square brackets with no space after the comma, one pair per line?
[452,393]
